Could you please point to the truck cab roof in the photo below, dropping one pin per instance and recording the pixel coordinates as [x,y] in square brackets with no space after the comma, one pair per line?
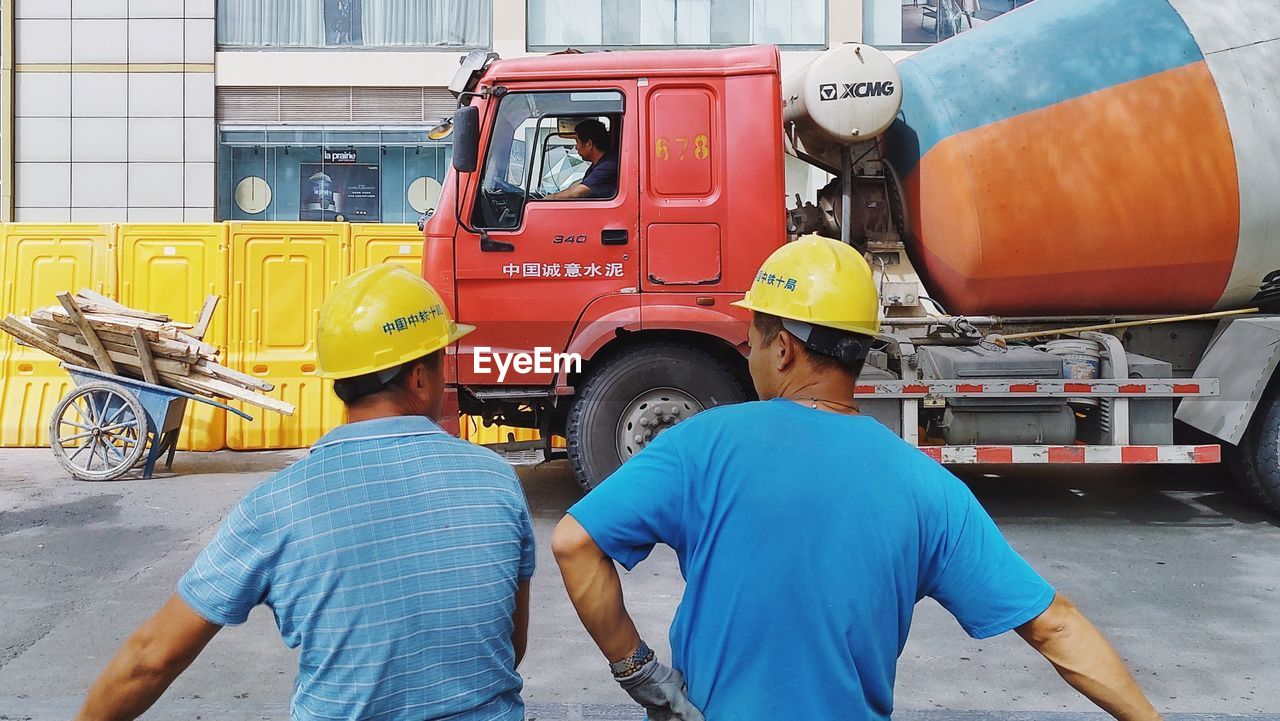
[750,60]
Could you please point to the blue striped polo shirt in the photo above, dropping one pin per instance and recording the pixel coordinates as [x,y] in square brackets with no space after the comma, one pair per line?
[390,554]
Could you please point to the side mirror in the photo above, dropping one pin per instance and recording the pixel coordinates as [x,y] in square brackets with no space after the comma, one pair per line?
[466,139]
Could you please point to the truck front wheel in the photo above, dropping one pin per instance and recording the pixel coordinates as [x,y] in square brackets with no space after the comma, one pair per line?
[636,395]
[1255,463]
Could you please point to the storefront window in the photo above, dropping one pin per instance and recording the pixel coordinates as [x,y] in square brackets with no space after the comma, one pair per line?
[354,23]
[888,23]
[358,175]
[555,24]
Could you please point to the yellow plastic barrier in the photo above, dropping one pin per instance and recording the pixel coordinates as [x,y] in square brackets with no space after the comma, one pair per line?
[372,244]
[171,269]
[40,261]
[273,278]
[280,274]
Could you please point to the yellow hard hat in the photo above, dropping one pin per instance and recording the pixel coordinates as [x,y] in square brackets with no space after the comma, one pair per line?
[820,281]
[380,318]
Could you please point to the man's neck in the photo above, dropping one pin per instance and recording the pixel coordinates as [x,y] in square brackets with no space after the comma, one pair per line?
[837,388]
[381,408]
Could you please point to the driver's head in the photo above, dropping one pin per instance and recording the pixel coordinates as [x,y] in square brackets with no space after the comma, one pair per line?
[591,139]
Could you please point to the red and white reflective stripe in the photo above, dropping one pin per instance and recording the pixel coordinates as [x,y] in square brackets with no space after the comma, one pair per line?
[972,455]
[1040,388]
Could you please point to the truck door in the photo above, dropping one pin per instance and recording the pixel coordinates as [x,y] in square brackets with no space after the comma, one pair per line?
[535,262]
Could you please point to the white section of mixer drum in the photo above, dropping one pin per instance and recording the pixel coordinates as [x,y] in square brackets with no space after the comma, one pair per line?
[1241,43]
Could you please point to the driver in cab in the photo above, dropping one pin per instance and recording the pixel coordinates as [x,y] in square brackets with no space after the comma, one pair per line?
[601,181]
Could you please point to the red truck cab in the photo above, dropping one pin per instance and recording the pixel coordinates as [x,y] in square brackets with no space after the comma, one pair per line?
[637,285]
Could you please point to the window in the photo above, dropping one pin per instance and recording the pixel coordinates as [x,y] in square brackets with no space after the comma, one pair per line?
[354,23]
[532,151]
[357,174]
[556,24]
[888,23]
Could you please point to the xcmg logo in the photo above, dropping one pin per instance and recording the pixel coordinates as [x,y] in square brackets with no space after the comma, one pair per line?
[834,91]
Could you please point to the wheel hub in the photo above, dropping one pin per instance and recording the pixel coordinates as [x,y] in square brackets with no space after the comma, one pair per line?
[650,413]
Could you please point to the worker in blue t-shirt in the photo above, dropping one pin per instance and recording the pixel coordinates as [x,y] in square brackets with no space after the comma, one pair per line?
[591,139]
[396,557]
[806,534]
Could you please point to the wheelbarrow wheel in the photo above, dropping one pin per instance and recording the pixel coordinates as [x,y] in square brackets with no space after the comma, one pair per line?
[98,431]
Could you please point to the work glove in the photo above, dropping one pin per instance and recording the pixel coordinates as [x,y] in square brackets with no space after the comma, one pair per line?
[662,691]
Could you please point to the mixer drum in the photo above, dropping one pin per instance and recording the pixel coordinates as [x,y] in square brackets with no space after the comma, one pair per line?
[1112,156]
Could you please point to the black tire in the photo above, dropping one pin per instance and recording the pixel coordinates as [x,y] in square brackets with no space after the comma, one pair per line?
[593,426]
[1255,463]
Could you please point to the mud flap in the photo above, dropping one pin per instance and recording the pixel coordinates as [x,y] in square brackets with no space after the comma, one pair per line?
[1243,356]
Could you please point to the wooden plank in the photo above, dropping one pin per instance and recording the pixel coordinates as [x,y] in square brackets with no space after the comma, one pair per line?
[201,347]
[222,372]
[51,334]
[94,308]
[159,346]
[120,319]
[124,326]
[30,336]
[98,298]
[86,298]
[126,322]
[222,389]
[99,353]
[144,357]
[164,327]
[119,323]
[124,355]
[206,315]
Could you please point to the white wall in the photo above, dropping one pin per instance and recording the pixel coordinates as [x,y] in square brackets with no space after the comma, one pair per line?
[114,110]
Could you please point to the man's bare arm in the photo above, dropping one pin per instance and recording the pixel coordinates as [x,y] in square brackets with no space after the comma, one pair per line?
[520,633]
[595,590]
[1084,659]
[577,190]
[157,652]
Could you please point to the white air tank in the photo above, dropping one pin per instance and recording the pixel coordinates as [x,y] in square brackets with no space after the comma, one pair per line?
[847,95]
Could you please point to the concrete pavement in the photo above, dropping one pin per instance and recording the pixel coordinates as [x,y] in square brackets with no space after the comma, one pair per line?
[1173,565]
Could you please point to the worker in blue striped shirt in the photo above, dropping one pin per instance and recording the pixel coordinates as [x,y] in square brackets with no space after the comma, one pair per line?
[396,556]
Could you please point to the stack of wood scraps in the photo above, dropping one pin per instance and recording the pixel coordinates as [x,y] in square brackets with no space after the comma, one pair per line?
[91,330]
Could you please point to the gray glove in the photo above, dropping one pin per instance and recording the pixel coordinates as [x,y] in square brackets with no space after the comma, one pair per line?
[661,690]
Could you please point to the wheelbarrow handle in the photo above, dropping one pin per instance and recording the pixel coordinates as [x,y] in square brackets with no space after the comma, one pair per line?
[216,404]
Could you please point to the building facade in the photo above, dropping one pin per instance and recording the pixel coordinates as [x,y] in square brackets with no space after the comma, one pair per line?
[110,113]
[287,110]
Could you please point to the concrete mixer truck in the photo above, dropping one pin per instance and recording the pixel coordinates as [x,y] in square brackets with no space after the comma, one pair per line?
[1069,211]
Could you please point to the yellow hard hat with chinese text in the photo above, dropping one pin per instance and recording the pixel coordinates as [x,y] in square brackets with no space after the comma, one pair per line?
[817,280]
[380,318]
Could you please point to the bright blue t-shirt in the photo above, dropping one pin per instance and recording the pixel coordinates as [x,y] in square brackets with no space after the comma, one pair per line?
[806,539]
[391,555]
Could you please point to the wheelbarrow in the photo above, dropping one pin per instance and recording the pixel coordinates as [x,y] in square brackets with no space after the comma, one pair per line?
[108,423]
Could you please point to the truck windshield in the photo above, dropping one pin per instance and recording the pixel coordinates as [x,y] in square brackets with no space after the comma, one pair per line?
[531,150]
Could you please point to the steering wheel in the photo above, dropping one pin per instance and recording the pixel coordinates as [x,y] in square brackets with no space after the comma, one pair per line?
[500,207]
